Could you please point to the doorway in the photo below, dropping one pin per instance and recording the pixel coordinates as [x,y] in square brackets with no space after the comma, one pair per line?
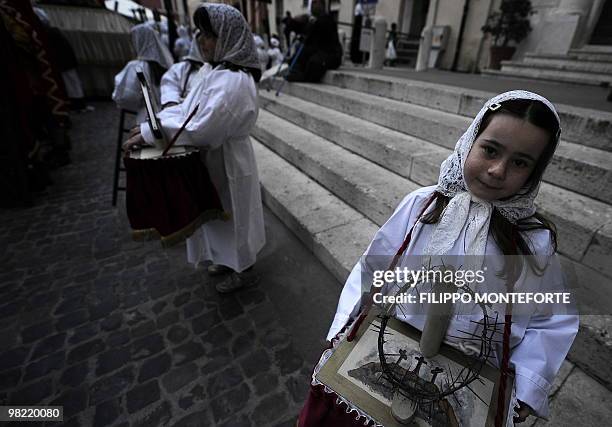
[602,34]
[414,17]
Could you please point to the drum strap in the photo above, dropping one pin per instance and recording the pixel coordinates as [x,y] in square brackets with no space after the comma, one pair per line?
[505,362]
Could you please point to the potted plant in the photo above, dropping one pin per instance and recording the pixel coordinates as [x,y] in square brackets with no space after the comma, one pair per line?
[509,24]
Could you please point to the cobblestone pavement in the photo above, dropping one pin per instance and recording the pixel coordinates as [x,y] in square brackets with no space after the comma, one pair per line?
[124,333]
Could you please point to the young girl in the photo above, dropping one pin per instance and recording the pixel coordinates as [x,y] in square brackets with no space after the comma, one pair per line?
[228,108]
[483,204]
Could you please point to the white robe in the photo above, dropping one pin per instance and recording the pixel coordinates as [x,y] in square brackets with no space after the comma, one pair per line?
[127,94]
[178,81]
[538,344]
[227,113]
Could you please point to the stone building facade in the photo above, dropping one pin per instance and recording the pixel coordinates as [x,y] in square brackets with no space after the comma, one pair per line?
[557,25]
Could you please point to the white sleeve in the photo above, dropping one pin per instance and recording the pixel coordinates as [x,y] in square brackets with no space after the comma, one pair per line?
[170,85]
[538,358]
[386,242]
[214,122]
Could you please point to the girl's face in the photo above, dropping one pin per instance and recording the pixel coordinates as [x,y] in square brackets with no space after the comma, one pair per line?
[503,157]
[207,44]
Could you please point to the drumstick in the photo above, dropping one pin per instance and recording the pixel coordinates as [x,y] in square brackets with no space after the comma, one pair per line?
[176,135]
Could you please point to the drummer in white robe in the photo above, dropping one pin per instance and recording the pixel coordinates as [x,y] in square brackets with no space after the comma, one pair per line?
[183,76]
[228,108]
[153,58]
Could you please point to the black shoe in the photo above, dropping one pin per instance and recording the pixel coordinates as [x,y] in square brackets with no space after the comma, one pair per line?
[218,270]
[237,281]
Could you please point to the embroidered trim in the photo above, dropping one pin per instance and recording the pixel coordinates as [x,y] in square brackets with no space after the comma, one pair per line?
[350,407]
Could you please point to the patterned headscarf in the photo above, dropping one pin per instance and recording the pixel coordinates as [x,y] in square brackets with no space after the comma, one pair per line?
[149,47]
[234,38]
[463,206]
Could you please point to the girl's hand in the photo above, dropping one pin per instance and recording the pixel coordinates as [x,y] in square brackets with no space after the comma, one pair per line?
[133,143]
[523,412]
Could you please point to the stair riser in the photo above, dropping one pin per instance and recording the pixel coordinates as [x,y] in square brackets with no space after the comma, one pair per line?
[591,56]
[420,127]
[368,204]
[579,128]
[398,161]
[586,179]
[571,65]
[591,79]
[335,233]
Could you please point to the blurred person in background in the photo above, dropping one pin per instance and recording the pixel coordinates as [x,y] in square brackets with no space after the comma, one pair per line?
[286,21]
[274,53]
[182,43]
[322,50]
[66,62]
[262,54]
[153,58]
[36,124]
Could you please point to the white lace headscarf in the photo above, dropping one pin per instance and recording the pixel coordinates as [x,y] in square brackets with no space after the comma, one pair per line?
[463,207]
[149,47]
[234,38]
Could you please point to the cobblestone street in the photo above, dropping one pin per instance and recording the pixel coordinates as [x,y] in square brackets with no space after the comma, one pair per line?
[125,333]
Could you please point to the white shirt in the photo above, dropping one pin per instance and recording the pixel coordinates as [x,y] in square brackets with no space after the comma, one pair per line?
[227,113]
[539,344]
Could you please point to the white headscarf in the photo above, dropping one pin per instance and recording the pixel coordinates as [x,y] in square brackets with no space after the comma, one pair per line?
[149,47]
[463,206]
[234,38]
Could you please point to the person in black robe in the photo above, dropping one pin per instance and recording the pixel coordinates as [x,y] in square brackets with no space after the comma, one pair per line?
[356,54]
[322,50]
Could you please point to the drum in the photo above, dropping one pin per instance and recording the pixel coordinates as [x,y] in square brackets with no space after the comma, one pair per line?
[169,196]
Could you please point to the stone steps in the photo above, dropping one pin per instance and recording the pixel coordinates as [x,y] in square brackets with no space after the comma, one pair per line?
[335,232]
[581,169]
[368,188]
[578,218]
[580,125]
[593,53]
[548,73]
[569,63]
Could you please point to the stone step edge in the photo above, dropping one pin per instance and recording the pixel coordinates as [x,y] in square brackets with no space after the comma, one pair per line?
[455,125]
[566,64]
[518,74]
[569,57]
[584,126]
[594,75]
[315,239]
[573,67]
[480,95]
[589,336]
